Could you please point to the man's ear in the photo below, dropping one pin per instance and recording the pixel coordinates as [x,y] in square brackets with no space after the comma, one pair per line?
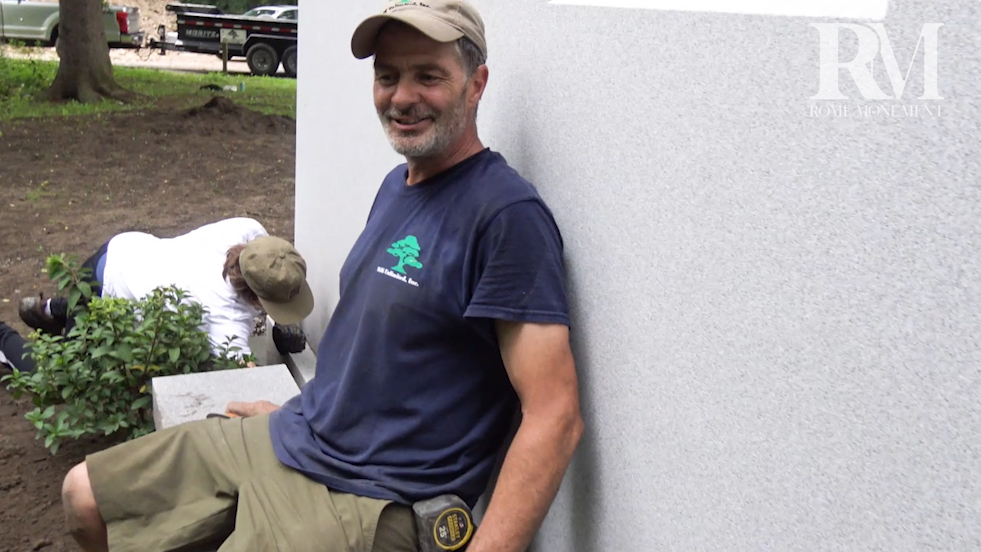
[478,83]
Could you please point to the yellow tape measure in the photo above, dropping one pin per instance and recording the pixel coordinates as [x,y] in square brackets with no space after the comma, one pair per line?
[453,529]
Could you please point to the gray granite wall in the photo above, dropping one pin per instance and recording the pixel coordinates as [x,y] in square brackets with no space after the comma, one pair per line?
[776,297]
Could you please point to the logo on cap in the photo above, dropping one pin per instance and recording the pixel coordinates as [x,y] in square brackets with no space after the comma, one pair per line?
[406,3]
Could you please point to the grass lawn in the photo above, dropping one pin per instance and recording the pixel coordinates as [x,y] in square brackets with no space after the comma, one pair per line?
[23,80]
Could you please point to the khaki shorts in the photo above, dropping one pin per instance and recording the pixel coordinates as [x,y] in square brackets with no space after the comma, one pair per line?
[217,484]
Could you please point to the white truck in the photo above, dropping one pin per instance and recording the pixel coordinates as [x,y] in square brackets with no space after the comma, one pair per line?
[37,22]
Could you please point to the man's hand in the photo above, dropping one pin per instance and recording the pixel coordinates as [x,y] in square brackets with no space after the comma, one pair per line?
[539,361]
[249,409]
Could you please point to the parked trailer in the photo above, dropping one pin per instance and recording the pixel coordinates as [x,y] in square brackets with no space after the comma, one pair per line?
[265,43]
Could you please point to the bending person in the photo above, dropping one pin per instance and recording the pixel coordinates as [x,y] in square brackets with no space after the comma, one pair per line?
[231,267]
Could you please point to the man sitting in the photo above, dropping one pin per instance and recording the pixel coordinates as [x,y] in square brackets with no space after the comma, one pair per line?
[453,311]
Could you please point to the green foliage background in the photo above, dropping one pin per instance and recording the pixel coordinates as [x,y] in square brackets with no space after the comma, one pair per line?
[96,379]
[23,80]
[19,80]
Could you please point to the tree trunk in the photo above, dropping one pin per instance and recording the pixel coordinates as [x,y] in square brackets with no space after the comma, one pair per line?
[85,70]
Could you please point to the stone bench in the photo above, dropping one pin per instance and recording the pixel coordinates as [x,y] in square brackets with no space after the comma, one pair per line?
[276,378]
[187,397]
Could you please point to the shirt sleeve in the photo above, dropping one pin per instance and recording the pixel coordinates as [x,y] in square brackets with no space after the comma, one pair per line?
[519,270]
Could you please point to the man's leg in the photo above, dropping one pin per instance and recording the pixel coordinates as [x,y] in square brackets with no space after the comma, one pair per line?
[81,513]
[59,305]
[218,482]
[12,349]
[173,489]
[286,511]
[96,262]
[281,509]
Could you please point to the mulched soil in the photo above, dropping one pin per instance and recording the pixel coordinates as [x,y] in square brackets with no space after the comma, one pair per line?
[68,185]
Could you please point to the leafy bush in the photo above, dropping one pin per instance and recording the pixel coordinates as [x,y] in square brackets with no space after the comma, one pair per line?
[96,379]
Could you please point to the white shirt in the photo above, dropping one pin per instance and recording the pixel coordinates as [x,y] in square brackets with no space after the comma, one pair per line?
[137,263]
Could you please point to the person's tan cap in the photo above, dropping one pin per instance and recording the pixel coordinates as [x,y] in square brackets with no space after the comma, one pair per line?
[277,274]
[440,20]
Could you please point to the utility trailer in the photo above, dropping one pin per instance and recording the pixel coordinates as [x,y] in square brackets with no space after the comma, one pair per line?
[265,43]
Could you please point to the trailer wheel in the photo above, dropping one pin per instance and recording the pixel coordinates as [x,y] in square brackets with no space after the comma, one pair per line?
[262,59]
[289,61]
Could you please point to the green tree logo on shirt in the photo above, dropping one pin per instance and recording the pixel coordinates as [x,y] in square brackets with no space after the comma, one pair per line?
[407,250]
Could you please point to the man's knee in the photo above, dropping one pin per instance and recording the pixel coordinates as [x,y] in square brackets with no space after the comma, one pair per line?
[81,513]
[76,495]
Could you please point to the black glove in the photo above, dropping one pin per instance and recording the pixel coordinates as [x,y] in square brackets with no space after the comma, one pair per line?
[288,339]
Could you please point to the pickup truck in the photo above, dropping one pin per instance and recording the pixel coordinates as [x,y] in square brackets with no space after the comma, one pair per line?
[35,22]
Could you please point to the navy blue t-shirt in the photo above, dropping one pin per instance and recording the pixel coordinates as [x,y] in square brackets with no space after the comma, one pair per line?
[411,398]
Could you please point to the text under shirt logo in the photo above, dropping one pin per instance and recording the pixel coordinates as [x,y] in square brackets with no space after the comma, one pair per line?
[407,250]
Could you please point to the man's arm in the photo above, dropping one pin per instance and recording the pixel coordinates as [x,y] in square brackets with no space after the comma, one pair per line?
[539,362]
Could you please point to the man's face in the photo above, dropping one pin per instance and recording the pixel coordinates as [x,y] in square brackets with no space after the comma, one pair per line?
[421,92]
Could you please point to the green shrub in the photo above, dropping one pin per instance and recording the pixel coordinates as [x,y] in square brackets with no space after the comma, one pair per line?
[96,379]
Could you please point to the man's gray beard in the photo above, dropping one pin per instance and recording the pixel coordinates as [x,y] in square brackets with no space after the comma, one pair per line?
[446,127]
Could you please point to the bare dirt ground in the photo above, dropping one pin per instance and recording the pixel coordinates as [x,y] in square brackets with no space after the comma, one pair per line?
[66,186]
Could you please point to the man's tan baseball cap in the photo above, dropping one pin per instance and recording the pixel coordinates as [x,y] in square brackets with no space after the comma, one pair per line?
[440,20]
[277,274]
